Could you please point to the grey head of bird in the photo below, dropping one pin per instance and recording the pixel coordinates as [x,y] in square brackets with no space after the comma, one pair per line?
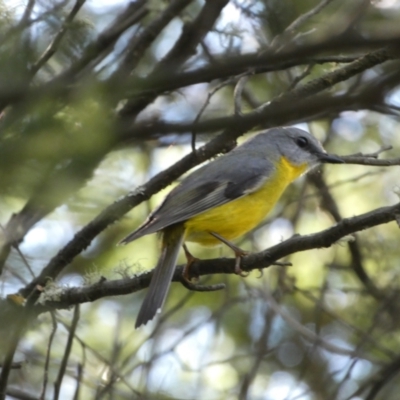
[296,145]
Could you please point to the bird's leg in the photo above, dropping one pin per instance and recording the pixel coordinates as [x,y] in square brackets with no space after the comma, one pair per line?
[186,279]
[239,253]
[190,259]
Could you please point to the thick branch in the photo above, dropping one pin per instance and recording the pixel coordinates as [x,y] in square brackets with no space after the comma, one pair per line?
[167,80]
[280,110]
[264,259]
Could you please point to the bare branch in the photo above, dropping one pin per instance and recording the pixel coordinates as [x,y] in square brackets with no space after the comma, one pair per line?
[251,262]
[368,160]
[134,12]
[328,203]
[140,43]
[67,351]
[297,23]
[53,46]
[27,13]
[192,35]
[47,362]
[278,110]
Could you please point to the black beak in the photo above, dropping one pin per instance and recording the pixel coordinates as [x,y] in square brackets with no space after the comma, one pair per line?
[330,159]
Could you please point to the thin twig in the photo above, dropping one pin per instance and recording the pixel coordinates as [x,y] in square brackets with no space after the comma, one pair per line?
[47,362]
[301,329]
[210,94]
[299,78]
[329,204]
[53,46]
[140,43]
[104,360]
[132,14]
[366,160]
[263,348]
[237,94]
[306,16]
[192,34]
[79,376]
[67,351]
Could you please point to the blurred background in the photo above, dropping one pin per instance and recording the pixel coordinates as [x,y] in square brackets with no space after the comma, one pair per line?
[98,97]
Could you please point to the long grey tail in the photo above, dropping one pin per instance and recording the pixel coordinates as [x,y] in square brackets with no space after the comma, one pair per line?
[161,280]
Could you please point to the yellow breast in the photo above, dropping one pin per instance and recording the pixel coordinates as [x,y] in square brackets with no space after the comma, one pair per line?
[239,216]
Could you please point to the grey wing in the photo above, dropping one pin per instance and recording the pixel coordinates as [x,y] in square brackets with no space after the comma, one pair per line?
[209,188]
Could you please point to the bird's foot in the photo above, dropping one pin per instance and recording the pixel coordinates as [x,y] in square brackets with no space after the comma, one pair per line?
[239,253]
[186,281]
[190,259]
[238,259]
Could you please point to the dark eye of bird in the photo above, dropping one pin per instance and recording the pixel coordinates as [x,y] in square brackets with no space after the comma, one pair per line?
[302,141]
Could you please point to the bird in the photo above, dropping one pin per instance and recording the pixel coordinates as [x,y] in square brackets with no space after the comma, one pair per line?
[225,199]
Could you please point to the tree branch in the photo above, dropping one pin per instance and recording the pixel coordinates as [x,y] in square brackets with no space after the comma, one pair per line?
[52,48]
[277,112]
[140,43]
[328,203]
[185,47]
[260,62]
[65,298]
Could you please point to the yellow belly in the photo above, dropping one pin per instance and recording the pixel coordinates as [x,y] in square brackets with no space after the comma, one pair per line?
[240,216]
